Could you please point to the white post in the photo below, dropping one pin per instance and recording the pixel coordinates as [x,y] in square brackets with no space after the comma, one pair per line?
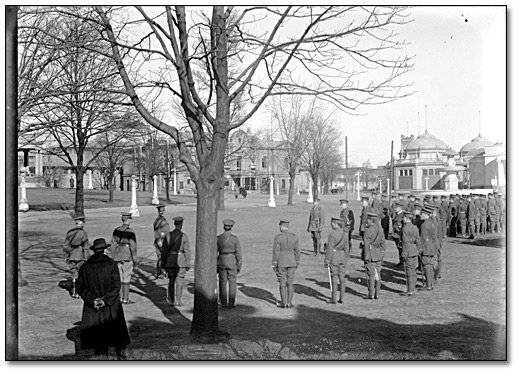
[277,188]
[24,206]
[155,200]
[271,201]
[134,206]
[310,198]
[175,182]
[297,193]
[90,180]
[388,186]
[427,179]
[380,186]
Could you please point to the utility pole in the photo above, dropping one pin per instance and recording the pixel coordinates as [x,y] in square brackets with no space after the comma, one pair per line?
[392,174]
[346,159]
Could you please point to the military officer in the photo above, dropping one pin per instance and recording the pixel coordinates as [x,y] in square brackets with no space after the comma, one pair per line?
[492,213]
[76,250]
[428,247]
[347,222]
[376,204]
[463,222]
[434,216]
[228,264]
[373,254]
[316,224]
[444,213]
[175,258]
[470,216]
[285,261]
[161,228]
[336,259]
[397,229]
[124,250]
[453,216]
[410,243]
[483,214]
[364,212]
[410,206]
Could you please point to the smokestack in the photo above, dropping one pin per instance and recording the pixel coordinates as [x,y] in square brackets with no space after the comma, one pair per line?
[426,116]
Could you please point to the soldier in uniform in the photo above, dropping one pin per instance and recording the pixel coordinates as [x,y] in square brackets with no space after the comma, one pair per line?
[385,223]
[410,206]
[428,200]
[428,247]
[444,213]
[364,213]
[483,214]
[175,259]
[434,216]
[124,251]
[392,206]
[76,250]
[373,254]
[402,201]
[285,260]
[470,216]
[503,224]
[385,203]
[410,253]
[228,263]
[397,229]
[476,202]
[161,229]
[376,204]
[463,222]
[498,202]
[348,222]
[336,259]
[453,211]
[492,213]
[316,224]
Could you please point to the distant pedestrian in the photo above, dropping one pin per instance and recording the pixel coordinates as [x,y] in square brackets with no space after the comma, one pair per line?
[229,262]
[336,259]
[347,222]
[373,254]
[71,183]
[235,190]
[124,250]
[76,250]
[175,258]
[103,320]
[316,224]
[285,261]
[161,229]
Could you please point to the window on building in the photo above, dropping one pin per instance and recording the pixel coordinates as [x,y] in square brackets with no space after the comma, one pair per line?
[425,171]
[263,162]
[238,164]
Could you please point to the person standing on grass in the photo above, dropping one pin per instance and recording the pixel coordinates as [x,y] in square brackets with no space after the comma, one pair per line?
[161,229]
[410,252]
[75,250]
[103,321]
[124,251]
[373,254]
[336,259]
[316,224]
[348,222]
[285,261]
[364,214]
[428,247]
[397,228]
[229,262]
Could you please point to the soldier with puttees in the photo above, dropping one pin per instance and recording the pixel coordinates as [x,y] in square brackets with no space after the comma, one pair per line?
[124,251]
[397,229]
[364,214]
[470,216]
[492,213]
[229,262]
[336,259]
[316,224]
[347,222]
[438,262]
[161,229]
[175,259]
[463,220]
[76,250]
[410,252]
[373,254]
[285,260]
[428,247]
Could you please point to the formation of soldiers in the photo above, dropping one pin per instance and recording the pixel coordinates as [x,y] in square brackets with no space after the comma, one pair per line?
[417,228]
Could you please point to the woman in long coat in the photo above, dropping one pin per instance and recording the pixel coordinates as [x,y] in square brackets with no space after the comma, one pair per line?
[103,321]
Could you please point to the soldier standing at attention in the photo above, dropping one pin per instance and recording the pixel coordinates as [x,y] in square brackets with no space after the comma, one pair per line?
[376,204]
[428,247]
[444,215]
[76,250]
[483,214]
[470,216]
[161,228]
[463,208]
[492,213]
[347,222]
[397,229]
[124,251]
[285,260]
[434,216]
[453,216]
[373,254]
[228,264]
[336,259]
[410,206]
[503,213]
[175,258]
[476,202]
[410,252]
[498,202]
[316,224]
[364,213]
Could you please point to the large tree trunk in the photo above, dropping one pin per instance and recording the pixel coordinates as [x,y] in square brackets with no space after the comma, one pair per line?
[291,188]
[111,186]
[78,202]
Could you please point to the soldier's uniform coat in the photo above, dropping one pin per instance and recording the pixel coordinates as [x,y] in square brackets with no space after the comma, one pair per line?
[285,256]
[229,262]
[410,252]
[76,250]
[373,254]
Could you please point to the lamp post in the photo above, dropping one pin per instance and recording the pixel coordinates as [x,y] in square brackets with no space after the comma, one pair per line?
[134,206]
[380,186]
[358,186]
[252,171]
[388,186]
[24,206]
[175,181]
[310,198]
[427,180]
[155,200]
[90,180]
[271,200]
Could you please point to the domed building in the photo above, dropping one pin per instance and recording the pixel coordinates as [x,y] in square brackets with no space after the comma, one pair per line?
[475,146]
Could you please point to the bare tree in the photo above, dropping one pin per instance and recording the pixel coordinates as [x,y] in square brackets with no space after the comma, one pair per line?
[214,56]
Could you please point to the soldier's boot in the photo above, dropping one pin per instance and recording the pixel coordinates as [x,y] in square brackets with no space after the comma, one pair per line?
[315,246]
[170,291]
[74,294]
[126,290]
[438,271]
[179,292]
[429,277]
[350,248]
[231,303]
[377,288]
[282,292]
[342,287]
[290,292]
[334,292]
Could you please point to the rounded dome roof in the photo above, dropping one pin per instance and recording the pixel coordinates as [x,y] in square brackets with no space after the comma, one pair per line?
[475,145]
[426,141]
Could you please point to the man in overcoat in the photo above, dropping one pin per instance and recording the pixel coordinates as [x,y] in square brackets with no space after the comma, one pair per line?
[103,321]
[428,247]
[161,229]
[229,261]
[347,222]
[373,254]
[316,224]
[285,261]
[410,252]
[336,259]
[124,250]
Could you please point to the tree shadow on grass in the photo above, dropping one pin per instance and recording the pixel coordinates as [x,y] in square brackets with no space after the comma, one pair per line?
[494,242]
[257,293]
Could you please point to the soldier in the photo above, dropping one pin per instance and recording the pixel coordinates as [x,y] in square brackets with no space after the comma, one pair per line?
[348,222]
[228,263]
[392,206]
[376,204]
[483,214]
[336,259]
[316,224]
[438,226]
[453,211]
[373,254]
[402,201]
[428,199]
[470,216]
[476,201]
[385,223]
[364,213]
[76,250]
[428,247]
[503,223]
[463,222]
[492,213]
[410,253]
[498,202]
[410,206]
[285,260]
[397,229]
[124,251]
[444,214]
[161,228]
[175,258]
[385,203]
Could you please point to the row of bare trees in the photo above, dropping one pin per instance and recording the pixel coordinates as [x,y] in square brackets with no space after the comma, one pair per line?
[218,66]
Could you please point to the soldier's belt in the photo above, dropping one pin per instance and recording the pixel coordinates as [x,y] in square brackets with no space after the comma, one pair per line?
[337,250]
[176,253]
[226,253]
